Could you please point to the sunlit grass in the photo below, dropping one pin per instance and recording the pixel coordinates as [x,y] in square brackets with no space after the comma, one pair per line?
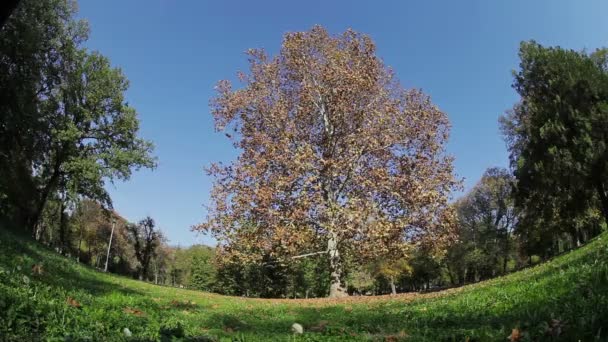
[564,299]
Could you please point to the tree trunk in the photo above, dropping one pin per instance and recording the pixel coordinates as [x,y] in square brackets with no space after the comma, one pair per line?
[506,260]
[336,290]
[38,231]
[603,198]
[35,218]
[393,288]
[79,241]
[62,227]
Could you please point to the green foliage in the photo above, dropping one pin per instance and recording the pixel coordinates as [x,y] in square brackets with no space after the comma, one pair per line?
[571,289]
[304,278]
[557,138]
[202,273]
[486,222]
[67,128]
[145,238]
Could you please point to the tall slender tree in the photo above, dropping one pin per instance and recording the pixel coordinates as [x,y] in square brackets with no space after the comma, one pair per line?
[558,139]
[336,157]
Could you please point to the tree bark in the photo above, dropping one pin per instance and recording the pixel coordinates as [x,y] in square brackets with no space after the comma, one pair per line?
[79,241]
[506,260]
[62,227]
[393,288]
[336,290]
[603,198]
[52,183]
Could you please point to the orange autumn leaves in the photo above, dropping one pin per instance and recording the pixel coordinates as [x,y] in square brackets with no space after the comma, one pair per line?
[330,144]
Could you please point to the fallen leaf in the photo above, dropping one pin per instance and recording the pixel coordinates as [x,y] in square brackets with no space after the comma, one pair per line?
[37,269]
[73,303]
[396,337]
[515,335]
[134,312]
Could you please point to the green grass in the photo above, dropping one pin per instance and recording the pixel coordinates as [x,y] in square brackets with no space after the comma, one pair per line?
[572,290]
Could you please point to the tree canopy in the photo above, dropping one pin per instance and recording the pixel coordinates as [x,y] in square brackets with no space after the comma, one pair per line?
[557,137]
[336,156]
[66,127]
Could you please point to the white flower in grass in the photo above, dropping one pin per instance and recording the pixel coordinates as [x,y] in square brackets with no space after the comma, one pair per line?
[297,328]
[26,280]
[127,332]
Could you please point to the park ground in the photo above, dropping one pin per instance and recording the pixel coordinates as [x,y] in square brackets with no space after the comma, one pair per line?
[44,296]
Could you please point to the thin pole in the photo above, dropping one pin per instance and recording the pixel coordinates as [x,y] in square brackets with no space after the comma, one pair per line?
[109,246]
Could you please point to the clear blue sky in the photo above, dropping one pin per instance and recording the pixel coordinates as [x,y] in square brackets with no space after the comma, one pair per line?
[174,51]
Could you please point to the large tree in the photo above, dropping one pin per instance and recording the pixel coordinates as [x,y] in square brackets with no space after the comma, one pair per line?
[336,157]
[558,139]
[66,127]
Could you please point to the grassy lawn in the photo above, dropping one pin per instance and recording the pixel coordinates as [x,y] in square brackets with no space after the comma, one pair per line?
[44,296]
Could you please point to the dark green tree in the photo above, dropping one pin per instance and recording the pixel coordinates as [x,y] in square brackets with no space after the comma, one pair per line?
[558,141]
[202,269]
[66,126]
[145,238]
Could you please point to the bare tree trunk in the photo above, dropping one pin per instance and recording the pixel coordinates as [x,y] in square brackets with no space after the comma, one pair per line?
[336,290]
[506,260]
[79,241]
[39,208]
[601,190]
[38,231]
[109,246]
[62,226]
[393,288]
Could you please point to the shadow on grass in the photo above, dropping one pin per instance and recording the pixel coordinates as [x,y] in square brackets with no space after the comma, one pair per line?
[57,270]
[569,290]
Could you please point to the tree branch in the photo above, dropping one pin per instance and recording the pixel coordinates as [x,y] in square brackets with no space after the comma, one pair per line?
[308,254]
